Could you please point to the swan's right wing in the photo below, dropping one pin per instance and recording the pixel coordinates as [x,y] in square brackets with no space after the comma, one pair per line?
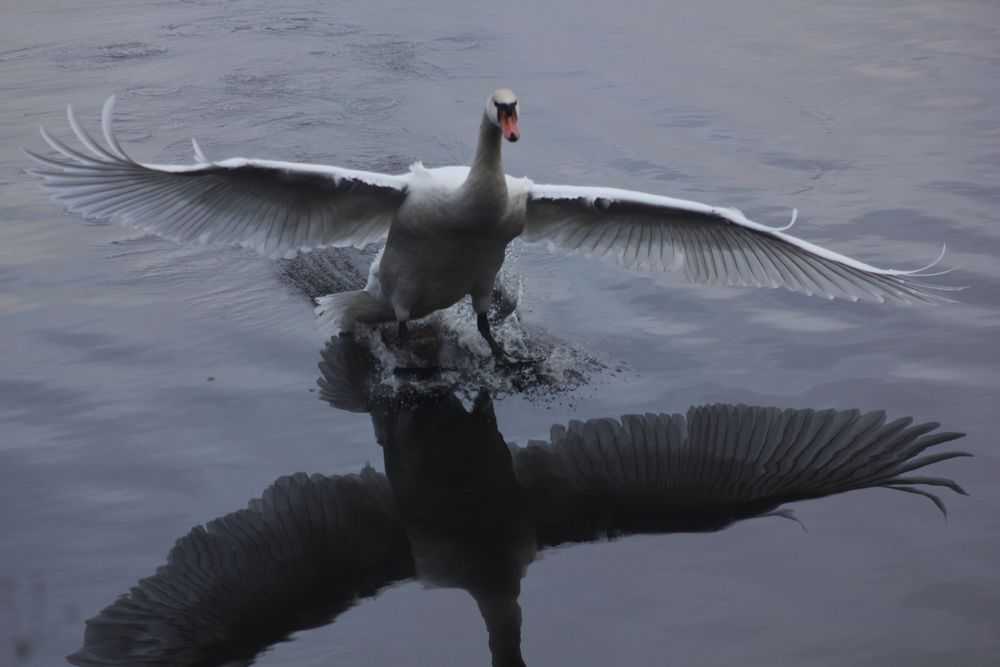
[295,559]
[720,464]
[276,208]
[708,244]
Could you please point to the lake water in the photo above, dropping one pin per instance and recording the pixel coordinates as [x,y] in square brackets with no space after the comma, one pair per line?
[146,388]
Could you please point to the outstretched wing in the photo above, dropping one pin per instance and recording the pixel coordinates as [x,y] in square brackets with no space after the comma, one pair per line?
[708,244]
[276,208]
[295,559]
[723,463]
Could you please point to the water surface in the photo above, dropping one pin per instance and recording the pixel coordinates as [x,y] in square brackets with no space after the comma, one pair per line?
[146,388]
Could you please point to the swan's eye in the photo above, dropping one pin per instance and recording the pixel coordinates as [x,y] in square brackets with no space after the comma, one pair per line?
[506,108]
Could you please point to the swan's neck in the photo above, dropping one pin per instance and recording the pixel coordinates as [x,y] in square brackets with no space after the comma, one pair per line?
[487,174]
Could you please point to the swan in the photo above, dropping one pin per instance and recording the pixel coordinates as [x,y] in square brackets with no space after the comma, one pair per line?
[446,229]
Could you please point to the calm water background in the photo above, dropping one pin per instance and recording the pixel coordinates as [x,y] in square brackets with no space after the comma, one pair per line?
[880,123]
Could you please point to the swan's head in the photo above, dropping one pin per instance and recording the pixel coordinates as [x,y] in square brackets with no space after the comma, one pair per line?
[501,109]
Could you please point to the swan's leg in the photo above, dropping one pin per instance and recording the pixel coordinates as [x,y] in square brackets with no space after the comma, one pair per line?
[403,339]
[404,335]
[402,317]
[481,305]
[484,328]
[409,366]
[481,297]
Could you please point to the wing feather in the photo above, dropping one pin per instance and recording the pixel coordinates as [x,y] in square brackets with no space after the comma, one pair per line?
[719,464]
[276,208]
[296,558]
[707,244]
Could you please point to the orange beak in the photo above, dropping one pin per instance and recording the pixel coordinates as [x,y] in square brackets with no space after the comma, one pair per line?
[508,125]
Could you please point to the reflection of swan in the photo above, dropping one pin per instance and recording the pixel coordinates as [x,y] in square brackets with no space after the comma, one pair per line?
[469,522]
[716,465]
[294,559]
[447,228]
[459,507]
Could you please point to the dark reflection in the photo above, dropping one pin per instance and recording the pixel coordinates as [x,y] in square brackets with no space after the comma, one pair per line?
[459,507]
[468,519]
[293,559]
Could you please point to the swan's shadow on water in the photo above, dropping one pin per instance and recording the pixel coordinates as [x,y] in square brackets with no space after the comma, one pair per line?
[460,507]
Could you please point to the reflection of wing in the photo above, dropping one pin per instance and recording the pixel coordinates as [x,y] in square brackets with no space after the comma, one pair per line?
[662,473]
[708,244]
[349,374]
[276,208]
[294,559]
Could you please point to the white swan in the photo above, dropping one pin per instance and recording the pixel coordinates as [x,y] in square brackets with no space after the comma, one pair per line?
[447,228]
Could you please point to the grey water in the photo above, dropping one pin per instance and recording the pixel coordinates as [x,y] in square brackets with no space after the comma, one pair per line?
[146,388]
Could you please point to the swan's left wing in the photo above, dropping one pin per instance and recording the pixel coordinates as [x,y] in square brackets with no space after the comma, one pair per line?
[708,244]
[276,208]
[719,464]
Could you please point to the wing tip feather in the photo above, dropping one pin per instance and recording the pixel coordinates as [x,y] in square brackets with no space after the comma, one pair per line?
[791,223]
[198,154]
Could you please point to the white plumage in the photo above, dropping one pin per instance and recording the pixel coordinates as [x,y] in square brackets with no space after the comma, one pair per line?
[446,228]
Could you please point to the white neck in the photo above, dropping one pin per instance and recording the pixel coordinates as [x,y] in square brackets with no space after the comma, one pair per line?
[487,175]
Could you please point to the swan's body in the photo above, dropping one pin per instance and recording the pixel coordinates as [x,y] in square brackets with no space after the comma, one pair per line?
[447,242]
[446,229]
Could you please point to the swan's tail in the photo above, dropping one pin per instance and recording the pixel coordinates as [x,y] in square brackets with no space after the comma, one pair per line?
[339,312]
